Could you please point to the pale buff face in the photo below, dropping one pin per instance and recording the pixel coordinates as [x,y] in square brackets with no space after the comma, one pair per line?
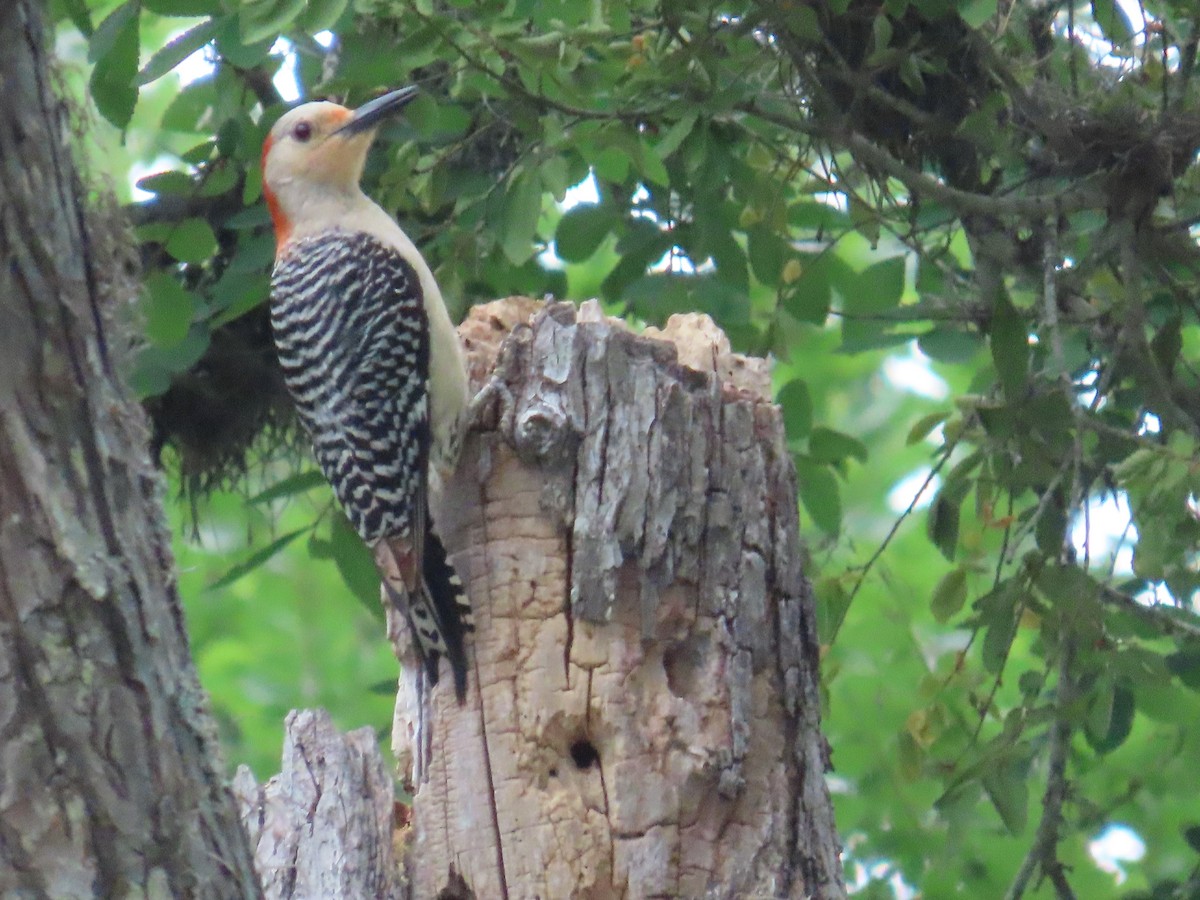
[304,154]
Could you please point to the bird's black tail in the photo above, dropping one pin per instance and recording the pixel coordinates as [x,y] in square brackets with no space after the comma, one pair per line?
[452,611]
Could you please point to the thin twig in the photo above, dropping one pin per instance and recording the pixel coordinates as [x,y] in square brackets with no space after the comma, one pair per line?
[1043,852]
[867,566]
[1178,623]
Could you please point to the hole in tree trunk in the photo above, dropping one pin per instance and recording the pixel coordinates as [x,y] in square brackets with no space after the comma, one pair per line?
[684,663]
[584,754]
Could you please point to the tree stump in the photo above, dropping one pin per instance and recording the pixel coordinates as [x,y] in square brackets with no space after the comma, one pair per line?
[322,827]
[643,718]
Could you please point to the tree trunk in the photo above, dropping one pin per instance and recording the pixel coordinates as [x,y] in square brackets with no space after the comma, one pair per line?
[644,717]
[109,785]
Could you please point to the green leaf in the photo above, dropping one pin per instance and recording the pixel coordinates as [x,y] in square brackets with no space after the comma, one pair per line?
[723,301]
[105,38]
[808,298]
[881,33]
[168,182]
[1000,623]
[873,292]
[178,49]
[802,23]
[386,688]
[237,51]
[256,559]
[556,176]
[833,601]
[299,483]
[155,367]
[1167,343]
[1185,665]
[522,206]
[236,293]
[1113,22]
[942,524]
[149,378]
[77,12]
[797,406]
[202,152]
[169,310]
[266,19]
[1010,347]
[727,254]
[650,165]
[827,445]
[815,216]
[820,493]
[866,220]
[582,230]
[611,165]
[254,255]
[1051,530]
[218,179]
[924,426]
[676,135]
[976,12]
[950,345]
[192,241]
[1070,589]
[183,7]
[641,244]
[356,565]
[657,297]
[114,47]
[1110,716]
[190,107]
[949,595]
[1007,786]
[879,286]
[766,250]
[322,15]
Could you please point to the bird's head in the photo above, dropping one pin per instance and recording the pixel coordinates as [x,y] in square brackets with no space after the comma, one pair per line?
[317,151]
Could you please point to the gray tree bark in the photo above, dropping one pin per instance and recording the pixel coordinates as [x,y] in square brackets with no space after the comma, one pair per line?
[323,827]
[109,779]
[644,716]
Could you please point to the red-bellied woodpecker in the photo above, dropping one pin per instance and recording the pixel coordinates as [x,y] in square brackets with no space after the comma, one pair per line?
[371,359]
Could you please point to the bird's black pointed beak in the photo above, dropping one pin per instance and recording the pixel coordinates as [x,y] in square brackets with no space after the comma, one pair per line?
[369,115]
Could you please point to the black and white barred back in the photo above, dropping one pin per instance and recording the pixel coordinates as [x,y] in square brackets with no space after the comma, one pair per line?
[353,341]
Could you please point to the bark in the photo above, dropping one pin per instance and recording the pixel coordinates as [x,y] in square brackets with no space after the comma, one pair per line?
[109,782]
[644,717]
[322,828]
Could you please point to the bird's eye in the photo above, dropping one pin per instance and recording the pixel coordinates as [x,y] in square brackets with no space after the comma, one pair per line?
[302,131]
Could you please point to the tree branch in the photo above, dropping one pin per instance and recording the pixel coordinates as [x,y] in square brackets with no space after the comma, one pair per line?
[1043,853]
[177,207]
[1086,195]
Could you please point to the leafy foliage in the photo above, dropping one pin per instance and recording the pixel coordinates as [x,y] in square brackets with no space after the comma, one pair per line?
[273,631]
[999,196]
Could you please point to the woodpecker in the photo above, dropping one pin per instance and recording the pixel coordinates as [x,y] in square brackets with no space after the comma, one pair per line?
[371,359]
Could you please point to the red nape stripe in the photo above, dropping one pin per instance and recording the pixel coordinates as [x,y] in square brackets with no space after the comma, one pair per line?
[283,226]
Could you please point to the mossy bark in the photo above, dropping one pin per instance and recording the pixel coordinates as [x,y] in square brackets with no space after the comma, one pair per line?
[109,782]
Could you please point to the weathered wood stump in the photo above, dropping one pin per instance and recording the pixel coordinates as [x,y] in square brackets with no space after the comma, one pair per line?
[644,718]
[323,827]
